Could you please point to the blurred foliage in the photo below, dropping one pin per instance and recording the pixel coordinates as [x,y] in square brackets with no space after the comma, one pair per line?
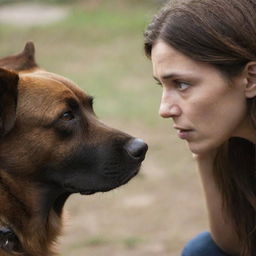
[133,2]
[38,1]
[99,45]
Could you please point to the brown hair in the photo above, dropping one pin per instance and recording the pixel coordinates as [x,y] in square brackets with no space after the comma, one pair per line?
[221,33]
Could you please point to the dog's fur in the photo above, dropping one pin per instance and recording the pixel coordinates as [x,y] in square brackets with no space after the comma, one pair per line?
[51,145]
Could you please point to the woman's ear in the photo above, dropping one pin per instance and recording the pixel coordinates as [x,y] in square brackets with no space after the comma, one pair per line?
[250,89]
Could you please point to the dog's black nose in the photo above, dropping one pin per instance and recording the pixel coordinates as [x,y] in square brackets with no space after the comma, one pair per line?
[136,148]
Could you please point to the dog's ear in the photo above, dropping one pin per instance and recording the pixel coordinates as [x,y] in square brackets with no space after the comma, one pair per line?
[8,100]
[22,61]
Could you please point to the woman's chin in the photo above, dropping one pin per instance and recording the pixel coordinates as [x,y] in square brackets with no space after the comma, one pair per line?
[198,148]
[196,151]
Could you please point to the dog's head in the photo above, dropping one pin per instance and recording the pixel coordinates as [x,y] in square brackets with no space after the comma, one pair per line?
[51,135]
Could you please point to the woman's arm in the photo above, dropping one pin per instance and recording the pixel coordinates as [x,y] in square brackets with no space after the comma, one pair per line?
[221,227]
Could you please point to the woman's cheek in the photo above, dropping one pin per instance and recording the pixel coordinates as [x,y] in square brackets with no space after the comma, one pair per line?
[206,141]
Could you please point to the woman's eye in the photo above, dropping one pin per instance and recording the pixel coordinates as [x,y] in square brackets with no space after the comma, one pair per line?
[182,86]
[67,116]
[158,83]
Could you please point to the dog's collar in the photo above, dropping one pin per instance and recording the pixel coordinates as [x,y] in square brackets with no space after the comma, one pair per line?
[8,240]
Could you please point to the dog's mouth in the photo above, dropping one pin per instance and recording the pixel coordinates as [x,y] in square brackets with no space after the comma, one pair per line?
[91,192]
[107,186]
[87,192]
[93,184]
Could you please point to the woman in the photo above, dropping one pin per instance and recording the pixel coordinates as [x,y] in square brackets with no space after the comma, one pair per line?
[204,56]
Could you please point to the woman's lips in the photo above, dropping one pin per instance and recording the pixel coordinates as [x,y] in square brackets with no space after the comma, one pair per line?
[184,134]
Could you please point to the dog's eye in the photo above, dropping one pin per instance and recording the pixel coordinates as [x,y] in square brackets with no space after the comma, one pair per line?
[67,116]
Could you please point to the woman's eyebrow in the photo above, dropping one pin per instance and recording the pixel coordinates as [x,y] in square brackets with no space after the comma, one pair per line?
[175,75]
[167,76]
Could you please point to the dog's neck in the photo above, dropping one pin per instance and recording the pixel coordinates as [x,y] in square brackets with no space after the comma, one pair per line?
[28,213]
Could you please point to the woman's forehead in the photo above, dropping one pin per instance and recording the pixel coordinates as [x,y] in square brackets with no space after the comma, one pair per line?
[167,60]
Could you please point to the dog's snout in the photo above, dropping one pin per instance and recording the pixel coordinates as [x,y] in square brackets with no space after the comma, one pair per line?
[136,148]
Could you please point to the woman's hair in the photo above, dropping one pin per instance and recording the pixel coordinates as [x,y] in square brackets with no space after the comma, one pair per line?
[221,33]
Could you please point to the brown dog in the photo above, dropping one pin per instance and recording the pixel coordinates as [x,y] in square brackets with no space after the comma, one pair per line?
[51,146]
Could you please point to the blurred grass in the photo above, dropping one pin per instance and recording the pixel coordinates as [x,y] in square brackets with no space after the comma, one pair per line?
[100,47]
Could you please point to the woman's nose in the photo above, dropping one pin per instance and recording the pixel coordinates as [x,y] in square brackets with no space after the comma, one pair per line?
[169,107]
[167,110]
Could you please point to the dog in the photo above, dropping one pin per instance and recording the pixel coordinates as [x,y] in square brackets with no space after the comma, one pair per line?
[51,146]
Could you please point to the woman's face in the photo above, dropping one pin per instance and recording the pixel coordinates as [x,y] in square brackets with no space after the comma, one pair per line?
[205,107]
